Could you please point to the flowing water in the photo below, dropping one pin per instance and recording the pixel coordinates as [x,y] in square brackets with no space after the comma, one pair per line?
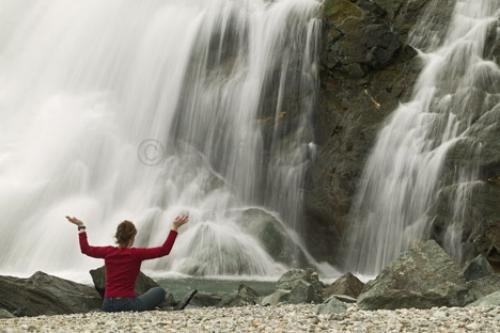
[140,110]
[406,169]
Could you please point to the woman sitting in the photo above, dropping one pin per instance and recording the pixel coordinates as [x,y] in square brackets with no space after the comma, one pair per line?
[123,264]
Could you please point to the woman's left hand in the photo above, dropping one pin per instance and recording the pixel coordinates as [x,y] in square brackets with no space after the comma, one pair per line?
[74,220]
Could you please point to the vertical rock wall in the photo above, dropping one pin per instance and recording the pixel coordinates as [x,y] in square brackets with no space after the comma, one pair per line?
[367,68]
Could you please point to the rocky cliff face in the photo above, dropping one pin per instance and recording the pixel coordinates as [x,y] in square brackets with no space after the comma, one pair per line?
[367,68]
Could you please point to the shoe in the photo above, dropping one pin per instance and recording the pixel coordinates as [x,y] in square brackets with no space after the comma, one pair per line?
[185,301]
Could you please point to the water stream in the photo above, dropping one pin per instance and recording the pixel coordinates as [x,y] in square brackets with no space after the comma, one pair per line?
[406,168]
[140,110]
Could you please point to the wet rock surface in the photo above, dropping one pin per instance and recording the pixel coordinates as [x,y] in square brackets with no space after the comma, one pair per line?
[367,69]
[273,235]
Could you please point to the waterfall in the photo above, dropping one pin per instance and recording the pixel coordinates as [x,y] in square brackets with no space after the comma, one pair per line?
[410,163]
[140,110]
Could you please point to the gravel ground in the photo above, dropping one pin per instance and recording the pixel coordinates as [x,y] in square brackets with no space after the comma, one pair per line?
[286,318]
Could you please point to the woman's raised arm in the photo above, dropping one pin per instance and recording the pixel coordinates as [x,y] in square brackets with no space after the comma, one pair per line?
[85,248]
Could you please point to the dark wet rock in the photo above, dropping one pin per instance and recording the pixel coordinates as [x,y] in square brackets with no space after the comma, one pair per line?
[477,268]
[244,296]
[331,306]
[423,278]
[347,284]
[43,294]
[4,314]
[273,235]
[304,286]
[481,225]
[367,69]
[142,284]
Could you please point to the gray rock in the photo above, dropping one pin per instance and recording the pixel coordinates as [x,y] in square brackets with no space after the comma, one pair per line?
[244,296]
[477,268]
[423,278]
[489,300]
[331,306]
[347,284]
[279,296]
[4,314]
[142,284]
[43,294]
[486,285]
[304,285]
[302,292]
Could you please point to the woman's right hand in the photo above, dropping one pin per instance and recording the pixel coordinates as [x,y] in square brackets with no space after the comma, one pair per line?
[74,220]
[179,221]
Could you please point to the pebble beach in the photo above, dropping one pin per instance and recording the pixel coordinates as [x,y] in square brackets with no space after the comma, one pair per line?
[285,318]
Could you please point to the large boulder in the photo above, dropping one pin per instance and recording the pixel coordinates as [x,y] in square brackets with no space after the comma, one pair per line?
[142,284]
[43,294]
[423,278]
[347,284]
[273,235]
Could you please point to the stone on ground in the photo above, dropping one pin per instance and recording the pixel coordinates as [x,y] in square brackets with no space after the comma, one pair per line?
[423,278]
[331,306]
[347,284]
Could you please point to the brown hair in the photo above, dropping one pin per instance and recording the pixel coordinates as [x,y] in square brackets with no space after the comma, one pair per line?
[125,232]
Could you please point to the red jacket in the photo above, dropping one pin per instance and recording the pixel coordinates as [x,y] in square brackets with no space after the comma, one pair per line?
[123,264]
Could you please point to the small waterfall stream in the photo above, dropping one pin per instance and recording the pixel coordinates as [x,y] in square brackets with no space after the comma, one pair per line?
[406,169]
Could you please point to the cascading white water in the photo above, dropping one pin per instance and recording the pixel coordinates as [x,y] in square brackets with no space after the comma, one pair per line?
[404,171]
[138,110]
